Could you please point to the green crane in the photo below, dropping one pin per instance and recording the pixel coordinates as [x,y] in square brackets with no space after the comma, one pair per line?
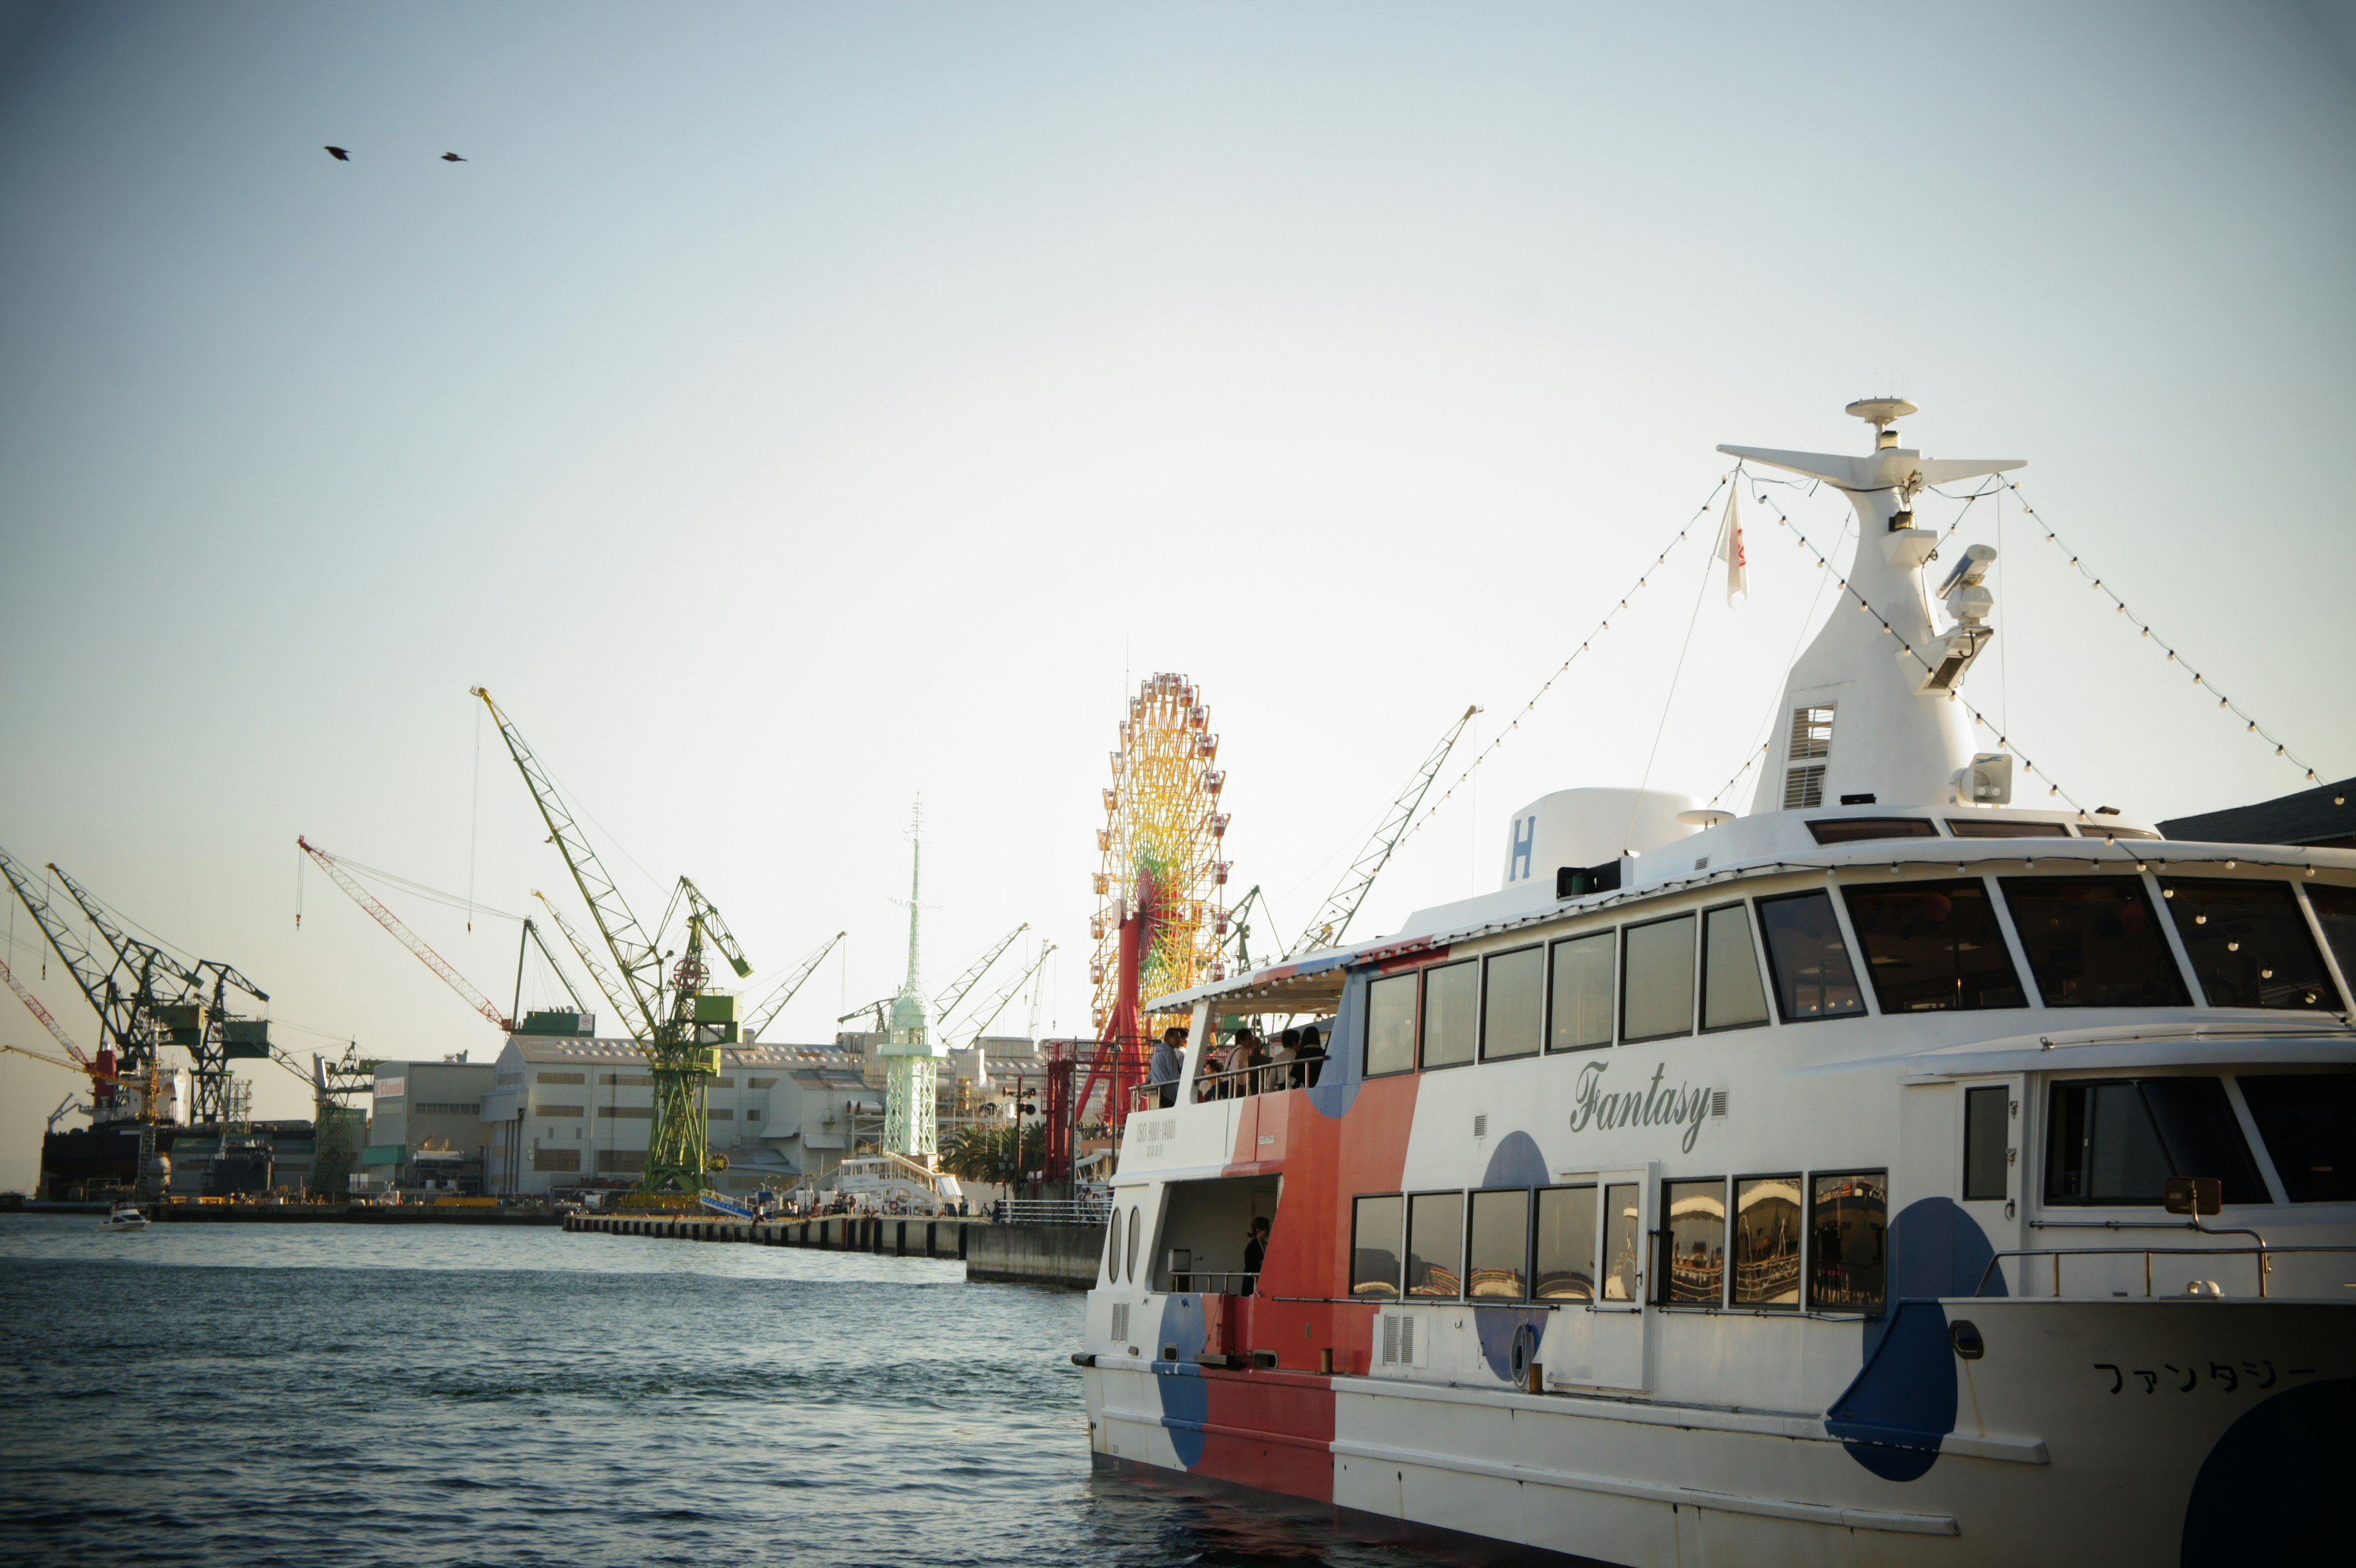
[676,1021]
[765,1012]
[607,987]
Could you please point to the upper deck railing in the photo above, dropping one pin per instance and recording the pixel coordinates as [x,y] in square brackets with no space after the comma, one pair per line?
[1270,1078]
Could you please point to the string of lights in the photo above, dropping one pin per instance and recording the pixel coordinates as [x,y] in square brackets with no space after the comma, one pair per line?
[1823,564]
[1737,779]
[1644,581]
[2175,654]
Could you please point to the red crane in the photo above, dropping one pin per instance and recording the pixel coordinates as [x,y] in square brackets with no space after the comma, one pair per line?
[409,939]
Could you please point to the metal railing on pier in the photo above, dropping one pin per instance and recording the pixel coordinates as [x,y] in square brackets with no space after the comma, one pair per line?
[1051,1211]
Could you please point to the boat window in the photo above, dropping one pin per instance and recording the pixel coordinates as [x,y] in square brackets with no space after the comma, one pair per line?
[1934,947]
[1731,995]
[1498,1264]
[1981,827]
[1656,992]
[1695,1238]
[1767,1229]
[2097,830]
[1390,1025]
[1136,1234]
[2249,943]
[1987,1129]
[2308,1121]
[1112,1249]
[2335,911]
[2093,942]
[1435,1244]
[1850,829]
[2120,1140]
[1375,1245]
[1848,1234]
[1814,978]
[1582,993]
[1566,1243]
[1622,1261]
[1513,1004]
[1452,995]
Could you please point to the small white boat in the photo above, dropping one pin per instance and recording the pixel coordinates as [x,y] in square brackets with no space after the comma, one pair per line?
[124,1218]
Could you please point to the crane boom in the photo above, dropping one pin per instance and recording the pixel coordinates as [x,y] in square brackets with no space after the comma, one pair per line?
[774,1002]
[715,930]
[531,933]
[56,1030]
[957,990]
[635,953]
[93,1073]
[402,933]
[121,1017]
[599,975]
[987,1015]
[1341,906]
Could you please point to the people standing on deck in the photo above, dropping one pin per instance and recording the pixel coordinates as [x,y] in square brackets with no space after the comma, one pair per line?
[1311,1058]
[1255,1253]
[1237,1054]
[1256,1061]
[1168,1063]
[1279,1063]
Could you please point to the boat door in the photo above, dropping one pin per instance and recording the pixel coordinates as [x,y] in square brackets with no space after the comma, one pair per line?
[1992,1172]
[1623,1323]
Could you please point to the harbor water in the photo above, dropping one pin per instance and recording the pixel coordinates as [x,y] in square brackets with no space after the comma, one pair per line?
[308,1394]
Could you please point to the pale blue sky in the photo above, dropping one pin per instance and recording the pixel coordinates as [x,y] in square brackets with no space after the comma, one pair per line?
[789,409]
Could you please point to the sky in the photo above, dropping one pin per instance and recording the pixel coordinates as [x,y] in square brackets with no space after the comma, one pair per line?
[786,411]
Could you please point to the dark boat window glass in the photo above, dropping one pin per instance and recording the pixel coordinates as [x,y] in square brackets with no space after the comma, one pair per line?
[1987,1128]
[2120,1140]
[1850,829]
[1622,1260]
[1848,1234]
[1435,1244]
[2249,943]
[2309,1122]
[1695,1238]
[1497,1263]
[1934,947]
[1657,988]
[1981,827]
[1513,1004]
[1582,993]
[1136,1234]
[1767,1231]
[2108,835]
[1112,1249]
[1731,995]
[1452,994]
[2335,911]
[1390,1024]
[1375,1245]
[1566,1243]
[1814,978]
[2093,942]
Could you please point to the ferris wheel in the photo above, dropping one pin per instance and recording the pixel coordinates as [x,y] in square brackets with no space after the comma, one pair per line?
[1160,848]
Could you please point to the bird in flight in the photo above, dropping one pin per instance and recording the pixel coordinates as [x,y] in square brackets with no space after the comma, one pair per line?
[452,158]
[340,155]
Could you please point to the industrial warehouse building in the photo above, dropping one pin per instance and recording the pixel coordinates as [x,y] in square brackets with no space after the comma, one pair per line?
[565,1111]
[425,1131]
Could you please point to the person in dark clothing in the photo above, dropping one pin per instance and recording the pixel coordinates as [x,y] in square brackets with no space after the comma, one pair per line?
[1254,1251]
[1312,1055]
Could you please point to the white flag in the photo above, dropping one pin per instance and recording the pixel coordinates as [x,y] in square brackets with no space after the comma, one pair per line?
[1729,551]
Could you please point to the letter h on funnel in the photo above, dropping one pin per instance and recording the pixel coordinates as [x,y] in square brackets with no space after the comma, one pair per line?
[1526,840]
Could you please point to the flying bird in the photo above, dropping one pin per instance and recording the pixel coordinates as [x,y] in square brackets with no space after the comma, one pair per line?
[340,155]
[452,158]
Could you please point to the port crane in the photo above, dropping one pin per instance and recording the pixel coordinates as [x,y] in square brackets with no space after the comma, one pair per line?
[599,976]
[677,1022]
[987,1014]
[1333,918]
[951,994]
[416,944]
[524,944]
[765,1012]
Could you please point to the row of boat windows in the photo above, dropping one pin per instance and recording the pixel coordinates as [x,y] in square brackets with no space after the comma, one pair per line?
[1929,947]
[1857,829]
[1762,1241]
[2117,1141]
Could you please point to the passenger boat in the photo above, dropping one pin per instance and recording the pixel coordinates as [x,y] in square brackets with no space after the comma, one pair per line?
[124,1217]
[1888,1174]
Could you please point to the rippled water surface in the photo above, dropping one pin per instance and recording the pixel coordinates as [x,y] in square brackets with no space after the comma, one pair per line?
[333,1396]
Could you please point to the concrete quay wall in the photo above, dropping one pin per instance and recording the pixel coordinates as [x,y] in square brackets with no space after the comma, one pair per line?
[1031,1254]
[889,1235]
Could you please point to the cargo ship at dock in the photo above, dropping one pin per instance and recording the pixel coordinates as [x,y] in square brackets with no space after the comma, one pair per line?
[1890,1173]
